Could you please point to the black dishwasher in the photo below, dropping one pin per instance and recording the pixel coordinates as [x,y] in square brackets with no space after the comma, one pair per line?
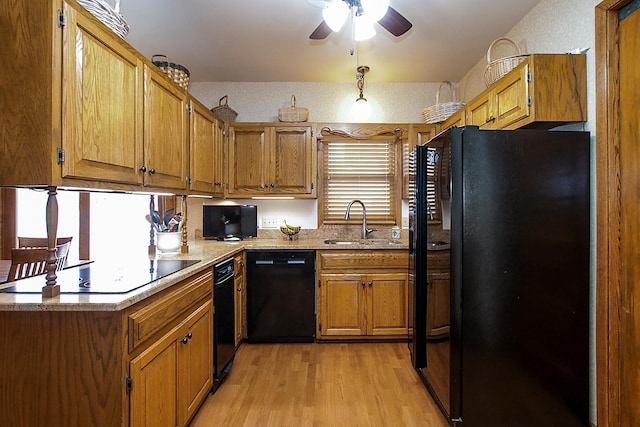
[280,296]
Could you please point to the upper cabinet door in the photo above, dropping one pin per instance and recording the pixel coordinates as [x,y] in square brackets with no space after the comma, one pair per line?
[165,132]
[247,161]
[292,169]
[202,139]
[101,104]
[512,98]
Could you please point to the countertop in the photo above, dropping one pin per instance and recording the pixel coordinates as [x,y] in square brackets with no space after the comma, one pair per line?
[206,251]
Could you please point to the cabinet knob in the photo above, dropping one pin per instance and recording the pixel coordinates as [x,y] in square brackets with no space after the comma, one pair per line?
[239,289]
[186,338]
[152,171]
[143,169]
[364,284]
[272,185]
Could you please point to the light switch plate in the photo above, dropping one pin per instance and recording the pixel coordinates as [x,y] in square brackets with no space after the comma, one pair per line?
[269,222]
[405,222]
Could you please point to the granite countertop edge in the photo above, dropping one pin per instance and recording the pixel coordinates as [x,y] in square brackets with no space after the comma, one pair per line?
[209,252]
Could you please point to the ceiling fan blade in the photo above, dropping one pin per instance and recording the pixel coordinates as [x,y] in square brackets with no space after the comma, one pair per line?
[395,23]
[322,32]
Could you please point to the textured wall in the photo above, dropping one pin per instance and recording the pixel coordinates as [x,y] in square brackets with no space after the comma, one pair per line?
[327,102]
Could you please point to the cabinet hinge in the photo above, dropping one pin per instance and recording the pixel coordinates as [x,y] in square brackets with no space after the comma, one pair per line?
[62,19]
[528,76]
[188,179]
[129,385]
[60,158]
[320,326]
[312,185]
[189,108]
[319,283]
[529,101]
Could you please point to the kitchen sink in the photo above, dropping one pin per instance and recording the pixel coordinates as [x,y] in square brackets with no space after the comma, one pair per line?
[361,242]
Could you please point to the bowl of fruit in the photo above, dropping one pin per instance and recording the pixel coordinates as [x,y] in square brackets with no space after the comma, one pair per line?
[290,231]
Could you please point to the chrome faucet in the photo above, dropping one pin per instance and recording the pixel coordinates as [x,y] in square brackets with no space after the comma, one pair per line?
[365,230]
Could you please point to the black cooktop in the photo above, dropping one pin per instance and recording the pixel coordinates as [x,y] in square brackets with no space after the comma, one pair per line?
[105,278]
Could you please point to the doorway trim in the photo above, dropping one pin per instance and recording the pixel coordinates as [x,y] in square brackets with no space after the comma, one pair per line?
[609,263]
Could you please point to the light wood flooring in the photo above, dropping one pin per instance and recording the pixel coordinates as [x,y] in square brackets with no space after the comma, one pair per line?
[332,384]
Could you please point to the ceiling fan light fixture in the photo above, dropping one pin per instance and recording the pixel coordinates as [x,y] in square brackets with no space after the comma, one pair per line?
[375,9]
[335,14]
[363,28]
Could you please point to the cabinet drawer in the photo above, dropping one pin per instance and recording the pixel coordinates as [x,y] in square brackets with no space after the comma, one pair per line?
[378,259]
[438,260]
[144,323]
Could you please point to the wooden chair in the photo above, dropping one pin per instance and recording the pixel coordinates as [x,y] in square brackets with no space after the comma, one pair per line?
[27,262]
[41,242]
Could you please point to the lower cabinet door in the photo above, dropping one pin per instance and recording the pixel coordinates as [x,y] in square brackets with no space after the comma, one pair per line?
[342,302]
[154,376]
[195,362]
[172,377]
[387,304]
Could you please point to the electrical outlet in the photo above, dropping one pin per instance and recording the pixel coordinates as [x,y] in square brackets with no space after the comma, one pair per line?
[269,222]
[405,222]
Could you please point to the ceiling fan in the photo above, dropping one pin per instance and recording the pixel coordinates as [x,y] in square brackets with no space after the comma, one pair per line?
[364,14]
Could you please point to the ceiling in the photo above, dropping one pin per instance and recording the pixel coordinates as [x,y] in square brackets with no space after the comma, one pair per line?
[268,40]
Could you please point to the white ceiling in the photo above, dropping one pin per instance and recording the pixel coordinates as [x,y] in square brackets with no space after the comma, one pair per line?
[268,40]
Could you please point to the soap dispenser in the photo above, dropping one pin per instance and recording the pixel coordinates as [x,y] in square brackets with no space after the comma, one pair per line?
[395,231]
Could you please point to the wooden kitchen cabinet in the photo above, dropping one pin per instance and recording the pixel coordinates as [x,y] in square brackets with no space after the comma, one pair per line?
[362,294]
[240,298]
[171,377]
[544,91]
[206,138]
[171,346]
[91,111]
[438,294]
[125,367]
[271,160]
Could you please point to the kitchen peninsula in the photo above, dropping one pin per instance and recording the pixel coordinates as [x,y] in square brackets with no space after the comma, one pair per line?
[89,359]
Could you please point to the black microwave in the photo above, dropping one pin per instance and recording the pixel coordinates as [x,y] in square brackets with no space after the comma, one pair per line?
[229,222]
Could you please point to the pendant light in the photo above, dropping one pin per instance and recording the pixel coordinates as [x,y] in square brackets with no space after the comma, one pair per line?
[361,110]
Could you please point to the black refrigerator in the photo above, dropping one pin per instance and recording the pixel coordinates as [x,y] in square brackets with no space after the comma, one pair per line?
[512,209]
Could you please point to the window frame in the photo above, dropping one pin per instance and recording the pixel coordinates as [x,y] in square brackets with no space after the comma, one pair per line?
[396,181]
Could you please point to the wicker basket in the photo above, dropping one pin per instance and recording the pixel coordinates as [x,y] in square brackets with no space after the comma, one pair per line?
[109,16]
[499,67]
[176,72]
[293,113]
[442,111]
[223,111]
